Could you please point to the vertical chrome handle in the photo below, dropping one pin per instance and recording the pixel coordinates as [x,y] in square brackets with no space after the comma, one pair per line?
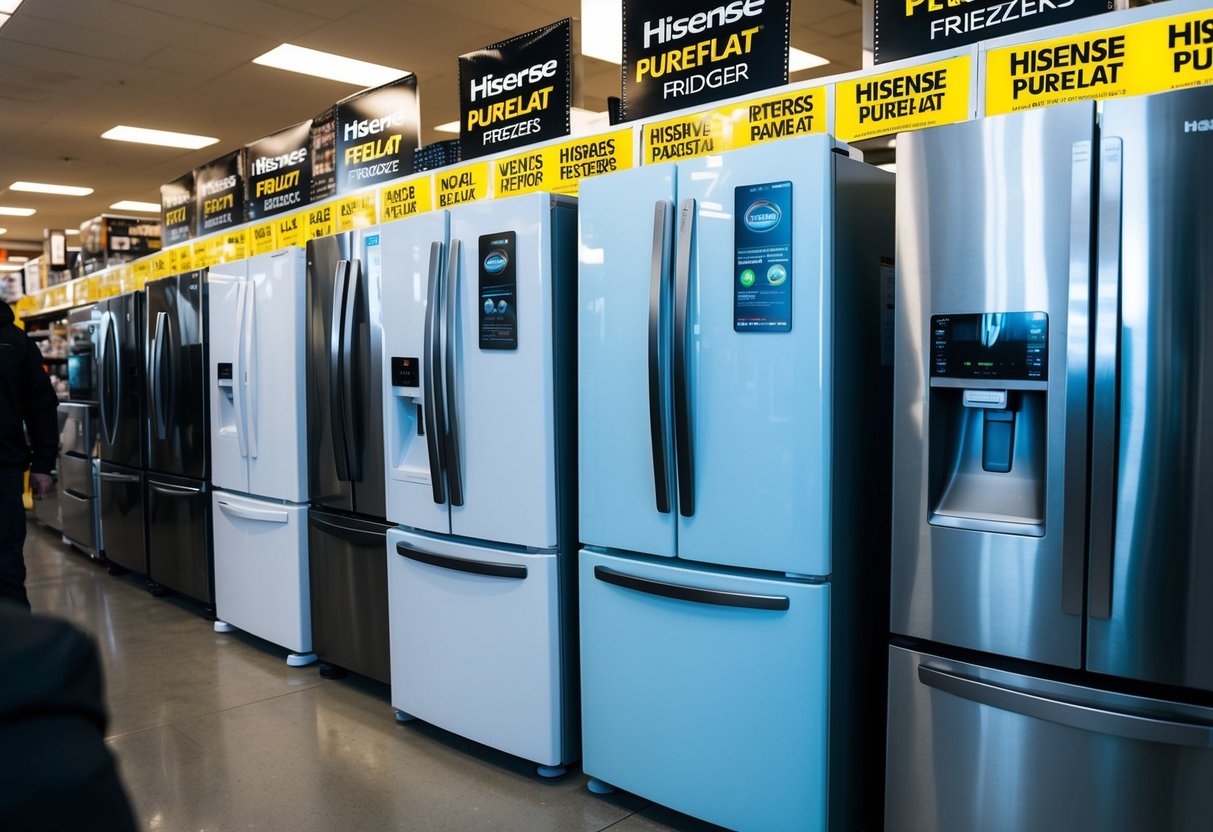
[101,361]
[250,368]
[351,356]
[157,377]
[1105,402]
[341,454]
[683,435]
[663,227]
[238,399]
[119,389]
[430,390]
[450,301]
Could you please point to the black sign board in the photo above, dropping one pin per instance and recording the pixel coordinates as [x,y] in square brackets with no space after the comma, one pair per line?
[682,53]
[177,209]
[908,28]
[219,193]
[279,171]
[324,155]
[516,92]
[377,132]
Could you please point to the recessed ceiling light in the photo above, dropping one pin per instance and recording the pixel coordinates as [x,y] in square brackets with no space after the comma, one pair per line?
[43,188]
[16,212]
[10,267]
[71,231]
[18,259]
[449,127]
[4,19]
[327,65]
[3,230]
[9,6]
[799,60]
[163,138]
[133,205]
[602,30]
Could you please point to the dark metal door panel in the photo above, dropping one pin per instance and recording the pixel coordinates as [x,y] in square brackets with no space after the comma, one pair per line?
[76,512]
[326,487]
[120,499]
[120,374]
[179,553]
[76,474]
[176,370]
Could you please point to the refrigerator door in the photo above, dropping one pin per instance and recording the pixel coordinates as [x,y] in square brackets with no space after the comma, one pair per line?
[179,536]
[475,642]
[994,216]
[274,367]
[415,251]
[261,570]
[175,349]
[975,748]
[1150,578]
[120,500]
[500,403]
[625,282]
[226,325]
[349,593]
[76,511]
[120,394]
[706,691]
[752,420]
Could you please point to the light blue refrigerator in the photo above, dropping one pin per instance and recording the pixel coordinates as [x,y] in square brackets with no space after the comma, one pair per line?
[734,362]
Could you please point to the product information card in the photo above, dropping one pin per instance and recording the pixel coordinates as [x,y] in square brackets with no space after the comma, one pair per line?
[762,273]
[498,292]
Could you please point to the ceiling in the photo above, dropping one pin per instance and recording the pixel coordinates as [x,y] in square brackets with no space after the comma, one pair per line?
[72,69]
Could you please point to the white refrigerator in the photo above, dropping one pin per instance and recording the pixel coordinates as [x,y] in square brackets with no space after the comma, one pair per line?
[258,450]
[479,437]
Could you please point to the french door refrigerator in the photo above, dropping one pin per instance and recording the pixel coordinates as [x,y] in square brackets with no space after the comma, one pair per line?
[479,432]
[1051,578]
[123,429]
[734,471]
[346,529]
[179,553]
[258,449]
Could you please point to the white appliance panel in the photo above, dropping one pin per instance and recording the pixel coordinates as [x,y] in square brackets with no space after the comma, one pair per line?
[227,284]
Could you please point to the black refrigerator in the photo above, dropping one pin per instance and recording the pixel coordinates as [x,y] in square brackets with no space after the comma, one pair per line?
[178,510]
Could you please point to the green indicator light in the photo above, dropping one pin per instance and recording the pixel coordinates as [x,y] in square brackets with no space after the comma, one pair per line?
[747,278]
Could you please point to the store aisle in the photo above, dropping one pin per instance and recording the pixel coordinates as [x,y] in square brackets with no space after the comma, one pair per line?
[214,732]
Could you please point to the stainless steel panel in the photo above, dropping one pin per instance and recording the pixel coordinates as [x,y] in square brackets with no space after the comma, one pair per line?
[323,337]
[977,748]
[78,432]
[986,218]
[76,474]
[179,553]
[120,499]
[176,376]
[1161,623]
[76,510]
[120,380]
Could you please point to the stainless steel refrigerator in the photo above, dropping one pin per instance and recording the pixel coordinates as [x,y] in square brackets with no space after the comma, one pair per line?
[77,483]
[1052,664]
[346,528]
[179,554]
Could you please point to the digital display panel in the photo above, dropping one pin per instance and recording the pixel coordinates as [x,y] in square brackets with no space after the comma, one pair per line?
[1011,346]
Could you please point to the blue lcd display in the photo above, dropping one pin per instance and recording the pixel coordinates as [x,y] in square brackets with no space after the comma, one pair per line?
[762,258]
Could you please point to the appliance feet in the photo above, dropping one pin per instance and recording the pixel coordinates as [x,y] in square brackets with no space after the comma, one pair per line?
[332,671]
[208,613]
[598,787]
[402,717]
[300,659]
[550,771]
[156,589]
[223,627]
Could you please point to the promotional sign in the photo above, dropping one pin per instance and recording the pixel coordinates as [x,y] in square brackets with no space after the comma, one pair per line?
[559,168]
[219,193]
[279,171]
[516,92]
[415,196]
[466,184]
[908,99]
[682,53]
[762,254]
[324,155]
[177,209]
[909,28]
[377,132]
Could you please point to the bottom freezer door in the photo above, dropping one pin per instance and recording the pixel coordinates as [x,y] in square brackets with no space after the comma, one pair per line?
[476,643]
[261,574]
[76,510]
[976,748]
[120,497]
[179,536]
[706,691]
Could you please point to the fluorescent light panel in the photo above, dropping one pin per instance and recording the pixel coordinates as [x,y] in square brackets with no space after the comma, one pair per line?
[449,127]
[70,231]
[134,205]
[16,212]
[18,259]
[327,65]
[4,19]
[9,6]
[602,30]
[7,267]
[43,188]
[799,60]
[3,230]
[163,138]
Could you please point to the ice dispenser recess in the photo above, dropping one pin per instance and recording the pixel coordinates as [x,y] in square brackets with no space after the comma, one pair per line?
[989,389]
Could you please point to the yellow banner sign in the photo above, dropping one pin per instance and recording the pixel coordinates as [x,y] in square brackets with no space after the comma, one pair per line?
[261,239]
[415,196]
[1180,51]
[161,267]
[466,184]
[233,245]
[199,254]
[356,211]
[736,125]
[143,272]
[321,222]
[291,230]
[1057,71]
[559,168]
[907,99]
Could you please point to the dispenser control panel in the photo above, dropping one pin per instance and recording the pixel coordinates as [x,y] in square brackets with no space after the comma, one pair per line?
[1012,346]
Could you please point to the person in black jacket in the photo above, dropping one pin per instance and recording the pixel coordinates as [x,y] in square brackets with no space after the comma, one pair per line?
[27,404]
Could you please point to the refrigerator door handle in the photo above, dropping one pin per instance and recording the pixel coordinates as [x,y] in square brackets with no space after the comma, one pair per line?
[238,380]
[450,302]
[108,477]
[350,360]
[165,488]
[694,594]
[472,567]
[1072,714]
[1105,401]
[108,423]
[337,372]
[662,231]
[249,362]
[259,514]
[683,437]
[429,391]
[157,378]
[350,534]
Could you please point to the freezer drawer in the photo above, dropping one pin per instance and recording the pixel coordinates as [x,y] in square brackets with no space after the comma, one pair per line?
[706,691]
[975,748]
[261,576]
[476,643]
[179,536]
[76,474]
[120,500]
[76,511]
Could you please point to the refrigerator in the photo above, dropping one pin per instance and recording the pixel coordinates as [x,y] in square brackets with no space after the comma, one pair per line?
[77,484]
[346,528]
[178,509]
[480,432]
[47,509]
[734,470]
[259,475]
[1052,664]
[122,443]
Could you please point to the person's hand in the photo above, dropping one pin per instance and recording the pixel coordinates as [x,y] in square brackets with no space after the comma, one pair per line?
[41,484]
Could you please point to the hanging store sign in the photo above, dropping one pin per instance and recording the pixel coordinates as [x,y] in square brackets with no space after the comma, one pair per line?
[910,28]
[324,155]
[377,132]
[279,172]
[909,99]
[177,209]
[516,92]
[684,53]
[559,168]
[219,193]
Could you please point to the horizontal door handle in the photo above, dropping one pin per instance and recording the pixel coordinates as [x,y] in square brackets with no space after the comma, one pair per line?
[119,477]
[351,534]
[474,567]
[173,489]
[694,594]
[260,514]
[75,495]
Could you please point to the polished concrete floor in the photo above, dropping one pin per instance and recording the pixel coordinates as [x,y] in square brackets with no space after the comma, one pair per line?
[214,732]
